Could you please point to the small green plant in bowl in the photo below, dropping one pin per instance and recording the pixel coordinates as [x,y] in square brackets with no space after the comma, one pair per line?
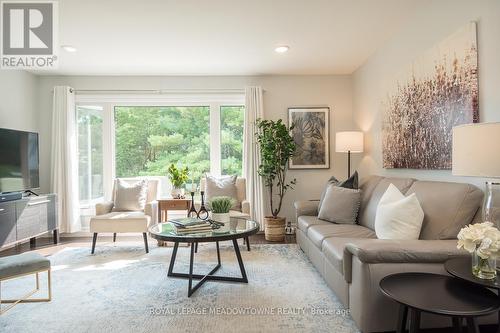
[221,205]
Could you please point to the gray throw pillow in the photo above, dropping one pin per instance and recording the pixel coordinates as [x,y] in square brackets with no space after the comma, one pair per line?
[130,197]
[351,182]
[224,186]
[340,205]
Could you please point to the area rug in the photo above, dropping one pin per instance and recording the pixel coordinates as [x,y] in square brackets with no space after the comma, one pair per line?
[122,289]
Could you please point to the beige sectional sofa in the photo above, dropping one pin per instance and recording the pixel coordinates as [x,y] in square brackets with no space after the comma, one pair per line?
[353,261]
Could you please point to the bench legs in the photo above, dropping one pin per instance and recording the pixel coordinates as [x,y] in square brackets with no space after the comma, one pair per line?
[25,298]
[144,236]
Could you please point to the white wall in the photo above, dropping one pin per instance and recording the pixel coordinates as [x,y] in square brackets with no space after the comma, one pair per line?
[281,92]
[429,25]
[18,100]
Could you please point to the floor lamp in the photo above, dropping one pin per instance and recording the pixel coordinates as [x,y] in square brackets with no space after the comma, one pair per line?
[349,142]
[476,153]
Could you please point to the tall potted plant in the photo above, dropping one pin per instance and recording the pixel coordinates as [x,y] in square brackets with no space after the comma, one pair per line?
[276,148]
[178,177]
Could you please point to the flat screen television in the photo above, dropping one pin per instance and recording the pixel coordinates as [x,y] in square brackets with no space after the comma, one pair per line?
[19,161]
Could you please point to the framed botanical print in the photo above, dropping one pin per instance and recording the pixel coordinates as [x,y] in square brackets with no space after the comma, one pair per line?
[311,133]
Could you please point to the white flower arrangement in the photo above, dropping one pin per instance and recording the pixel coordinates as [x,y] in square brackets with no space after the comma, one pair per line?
[483,238]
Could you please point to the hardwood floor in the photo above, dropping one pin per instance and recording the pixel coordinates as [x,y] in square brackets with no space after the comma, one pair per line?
[45,246]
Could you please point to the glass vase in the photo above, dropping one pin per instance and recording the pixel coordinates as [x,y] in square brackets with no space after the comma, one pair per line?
[483,268]
[491,204]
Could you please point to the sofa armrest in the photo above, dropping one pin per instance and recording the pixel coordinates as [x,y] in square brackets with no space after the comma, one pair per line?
[151,209]
[375,251]
[245,207]
[306,208]
[104,207]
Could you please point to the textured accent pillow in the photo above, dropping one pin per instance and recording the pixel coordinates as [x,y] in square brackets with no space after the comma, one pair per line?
[398,216]
[130,197]
[340,205]
[224,186]
[351,182]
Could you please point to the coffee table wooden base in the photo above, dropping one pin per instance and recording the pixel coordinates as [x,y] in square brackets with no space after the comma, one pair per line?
[210,275]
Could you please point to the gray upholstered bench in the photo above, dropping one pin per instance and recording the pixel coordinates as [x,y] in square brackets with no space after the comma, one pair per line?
[21,265]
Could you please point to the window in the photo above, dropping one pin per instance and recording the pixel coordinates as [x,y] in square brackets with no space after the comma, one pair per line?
[90,154]
[231,142]
[130,136]
[149,139]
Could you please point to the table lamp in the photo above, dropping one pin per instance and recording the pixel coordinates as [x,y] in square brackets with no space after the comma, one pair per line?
[349,142]
[476,152]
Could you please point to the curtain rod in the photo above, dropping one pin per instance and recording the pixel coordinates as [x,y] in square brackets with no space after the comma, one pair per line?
[158,91]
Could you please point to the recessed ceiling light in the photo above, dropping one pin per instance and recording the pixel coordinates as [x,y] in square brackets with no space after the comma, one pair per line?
[282,49]
[69,48]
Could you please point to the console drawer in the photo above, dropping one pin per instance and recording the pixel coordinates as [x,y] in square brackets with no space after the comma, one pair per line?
[7,223]
[31,218]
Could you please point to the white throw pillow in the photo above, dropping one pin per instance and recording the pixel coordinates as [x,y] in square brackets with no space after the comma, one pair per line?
[223,186]
[130,197]
[398,217]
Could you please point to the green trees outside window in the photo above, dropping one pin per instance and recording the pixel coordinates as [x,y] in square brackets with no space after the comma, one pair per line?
[148,139]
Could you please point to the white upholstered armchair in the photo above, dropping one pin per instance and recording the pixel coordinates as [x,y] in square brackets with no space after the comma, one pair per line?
[109,221]
[241,192]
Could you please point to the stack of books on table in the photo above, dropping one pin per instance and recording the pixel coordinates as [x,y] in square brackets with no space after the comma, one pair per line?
[190,225]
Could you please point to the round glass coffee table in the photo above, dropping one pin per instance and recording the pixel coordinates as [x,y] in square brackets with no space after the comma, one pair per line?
[165,232]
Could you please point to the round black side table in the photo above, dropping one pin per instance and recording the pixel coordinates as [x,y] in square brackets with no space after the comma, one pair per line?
[438,294]
[462,269]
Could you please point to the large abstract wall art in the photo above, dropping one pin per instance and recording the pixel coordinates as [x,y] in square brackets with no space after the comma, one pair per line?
[438,91]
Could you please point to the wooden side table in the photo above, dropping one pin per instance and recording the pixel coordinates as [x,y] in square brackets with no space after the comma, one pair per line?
[164,205]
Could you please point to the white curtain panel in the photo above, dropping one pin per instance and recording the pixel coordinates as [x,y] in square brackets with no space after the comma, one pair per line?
[64,163]
[254,109]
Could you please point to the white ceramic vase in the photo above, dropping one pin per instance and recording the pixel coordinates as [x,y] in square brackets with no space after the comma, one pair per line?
[223,218]
[177,193]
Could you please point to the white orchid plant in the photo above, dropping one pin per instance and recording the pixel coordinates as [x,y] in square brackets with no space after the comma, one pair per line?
[483,238]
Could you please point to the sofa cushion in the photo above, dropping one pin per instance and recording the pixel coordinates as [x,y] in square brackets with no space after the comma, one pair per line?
[447,207]
[304,222]
[333,249]
[340,205]
[351,182]
[317,233]
[373,192]
[398,216]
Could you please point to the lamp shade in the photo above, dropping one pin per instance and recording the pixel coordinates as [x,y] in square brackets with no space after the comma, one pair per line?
[476,150]
[349,141]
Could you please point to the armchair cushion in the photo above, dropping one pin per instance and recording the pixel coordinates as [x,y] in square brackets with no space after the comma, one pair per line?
[222,186]
[130,197]
[120,222]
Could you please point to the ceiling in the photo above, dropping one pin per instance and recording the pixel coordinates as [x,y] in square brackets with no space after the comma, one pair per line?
[224,37]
